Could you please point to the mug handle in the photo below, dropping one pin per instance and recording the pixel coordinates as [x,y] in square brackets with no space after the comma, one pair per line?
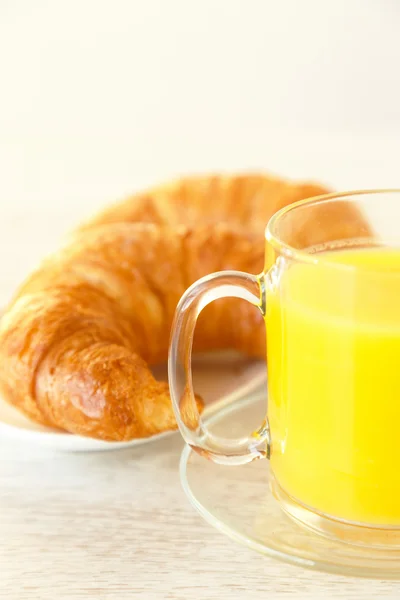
[212,287]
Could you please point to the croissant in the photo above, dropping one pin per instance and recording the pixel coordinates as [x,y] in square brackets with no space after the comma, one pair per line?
[79,337]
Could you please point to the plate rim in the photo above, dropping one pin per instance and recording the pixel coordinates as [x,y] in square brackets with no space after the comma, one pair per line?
[64,441]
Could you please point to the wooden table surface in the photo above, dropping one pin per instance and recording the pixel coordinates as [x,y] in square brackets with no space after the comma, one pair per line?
[117,525]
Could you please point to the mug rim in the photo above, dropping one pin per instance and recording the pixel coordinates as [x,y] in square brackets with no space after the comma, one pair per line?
[301,255]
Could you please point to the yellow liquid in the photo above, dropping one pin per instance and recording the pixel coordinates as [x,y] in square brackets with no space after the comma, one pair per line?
[333,338]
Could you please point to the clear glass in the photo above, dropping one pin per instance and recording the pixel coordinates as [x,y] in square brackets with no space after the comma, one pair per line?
[239,501]
[329,294]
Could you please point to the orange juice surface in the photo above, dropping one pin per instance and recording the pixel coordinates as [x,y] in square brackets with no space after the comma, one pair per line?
[333,338]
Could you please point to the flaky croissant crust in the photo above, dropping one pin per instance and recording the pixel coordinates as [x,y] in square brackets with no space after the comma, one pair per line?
[77,339]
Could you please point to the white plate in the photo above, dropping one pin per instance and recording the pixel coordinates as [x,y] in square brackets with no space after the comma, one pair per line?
[216,376]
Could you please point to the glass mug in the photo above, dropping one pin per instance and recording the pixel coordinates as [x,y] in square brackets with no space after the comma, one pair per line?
[330,296]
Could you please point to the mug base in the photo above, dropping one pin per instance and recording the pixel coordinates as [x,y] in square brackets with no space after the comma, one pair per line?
[344,531]
[238,502]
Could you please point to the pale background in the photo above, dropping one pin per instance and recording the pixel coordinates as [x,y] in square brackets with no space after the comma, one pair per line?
[98,99]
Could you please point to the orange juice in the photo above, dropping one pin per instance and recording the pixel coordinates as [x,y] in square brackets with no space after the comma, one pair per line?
[333,338]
